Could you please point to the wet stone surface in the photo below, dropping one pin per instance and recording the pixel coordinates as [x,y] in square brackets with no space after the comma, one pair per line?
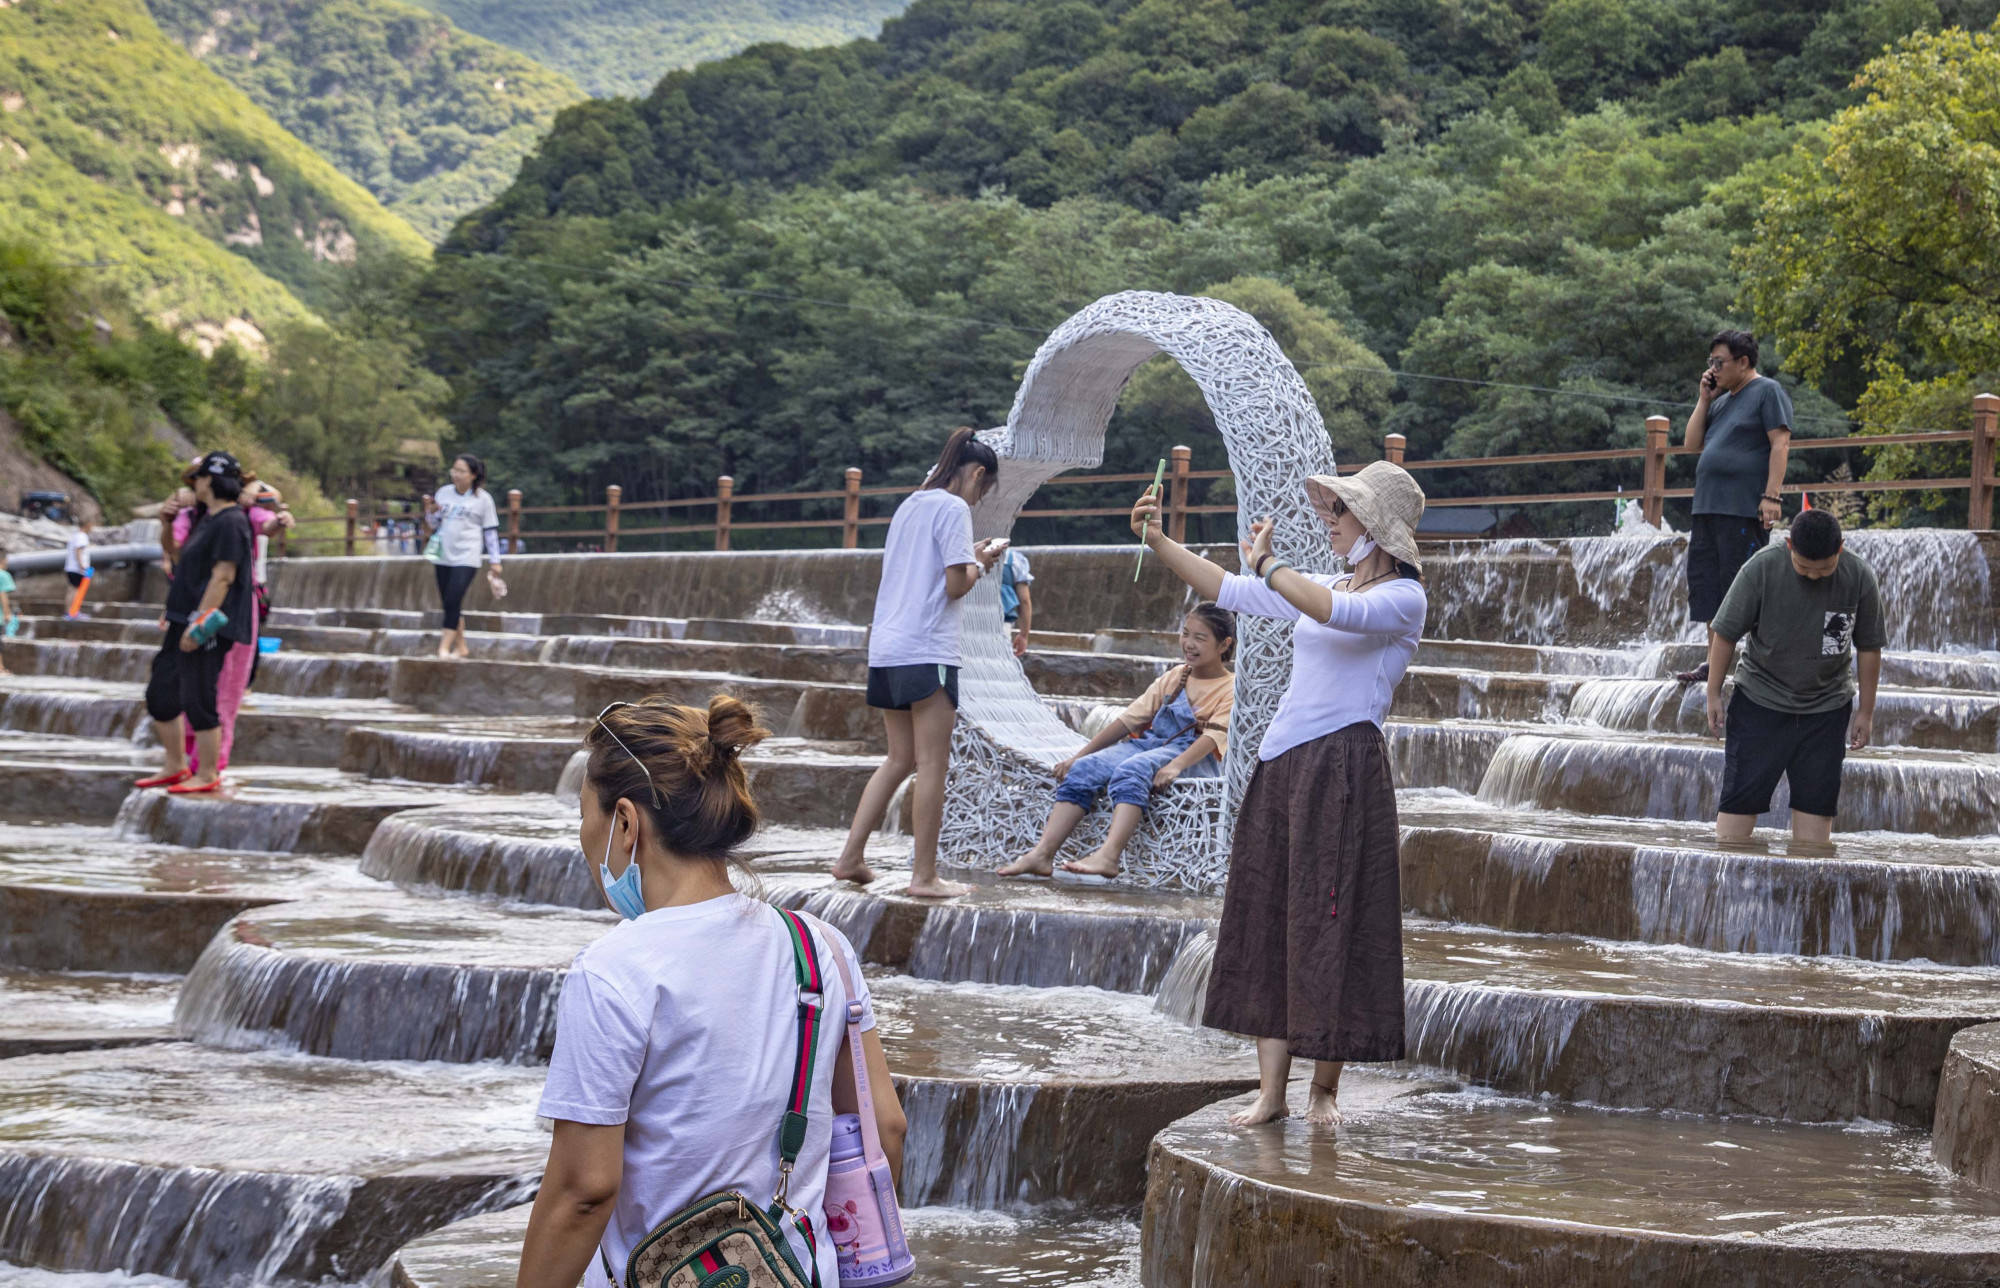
[1441,1187]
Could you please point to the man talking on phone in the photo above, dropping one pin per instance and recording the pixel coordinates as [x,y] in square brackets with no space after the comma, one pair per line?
[1742,424]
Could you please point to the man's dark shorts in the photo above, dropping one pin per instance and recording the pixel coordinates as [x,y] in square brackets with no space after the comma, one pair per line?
[898,688]
[1761,746]
[1718,546]
[185,683]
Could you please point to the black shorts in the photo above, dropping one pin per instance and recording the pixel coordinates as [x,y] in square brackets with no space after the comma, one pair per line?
[1761,746]
[1718,547]
[898,688]
[75,579]
[183,684]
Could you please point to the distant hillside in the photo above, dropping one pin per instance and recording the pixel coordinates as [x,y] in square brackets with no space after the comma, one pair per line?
[625,46]
[119,149]
[431,120]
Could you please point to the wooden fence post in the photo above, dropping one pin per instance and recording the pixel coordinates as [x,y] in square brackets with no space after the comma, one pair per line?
[353,519]
[1653,485]
[1979,504]
[725,487]
[1392,448]
[1177,490]
[850,520]
[513,521]
[612,492]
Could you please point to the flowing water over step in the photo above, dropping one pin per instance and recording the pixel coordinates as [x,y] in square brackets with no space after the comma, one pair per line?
[41,1011]
[220,1169]
[1454,1189]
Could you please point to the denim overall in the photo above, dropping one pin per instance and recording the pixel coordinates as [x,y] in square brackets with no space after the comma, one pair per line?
[1127,769]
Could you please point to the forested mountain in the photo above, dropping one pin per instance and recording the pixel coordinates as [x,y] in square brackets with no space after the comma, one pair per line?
[790,261]
[625,46]
[431,120]
[118,148]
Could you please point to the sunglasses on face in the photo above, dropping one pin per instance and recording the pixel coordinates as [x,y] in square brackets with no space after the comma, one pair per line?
[599,723]
[1336,508]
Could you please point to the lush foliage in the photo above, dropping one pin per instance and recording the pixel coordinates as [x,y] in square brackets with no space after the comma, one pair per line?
[118,146]
[796,260]
[431,120]
[92,385]
[1876,248]
[625,46]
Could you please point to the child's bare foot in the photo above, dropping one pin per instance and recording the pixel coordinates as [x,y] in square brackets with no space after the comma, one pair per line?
[1320,1108]
[1093,864]
[1032,864]
[858,872]
[1264,1110]
[935,889]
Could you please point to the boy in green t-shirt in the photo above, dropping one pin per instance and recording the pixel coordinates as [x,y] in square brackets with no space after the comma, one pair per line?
[1807,613]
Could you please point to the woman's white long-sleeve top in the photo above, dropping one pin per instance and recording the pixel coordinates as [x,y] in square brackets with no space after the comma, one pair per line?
[1344,669]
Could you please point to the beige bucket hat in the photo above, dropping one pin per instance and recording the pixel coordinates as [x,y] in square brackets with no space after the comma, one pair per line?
[1386,500]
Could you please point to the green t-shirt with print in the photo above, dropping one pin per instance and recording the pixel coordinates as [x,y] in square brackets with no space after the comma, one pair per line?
[6,582]
[1800,633]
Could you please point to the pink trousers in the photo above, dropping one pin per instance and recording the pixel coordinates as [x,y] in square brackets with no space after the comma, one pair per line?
[229,691]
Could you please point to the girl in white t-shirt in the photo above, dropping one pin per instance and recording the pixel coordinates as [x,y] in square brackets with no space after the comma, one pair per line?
[677,1037]
[467,525]
[929,563]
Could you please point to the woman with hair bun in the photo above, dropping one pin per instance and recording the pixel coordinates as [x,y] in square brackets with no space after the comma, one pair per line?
[929,564]
[678,1034]
[466,521]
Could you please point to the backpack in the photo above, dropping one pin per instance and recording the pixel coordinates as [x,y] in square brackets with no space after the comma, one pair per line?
[1010,599]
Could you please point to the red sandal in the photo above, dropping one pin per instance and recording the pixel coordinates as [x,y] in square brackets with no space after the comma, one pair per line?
[193,789]
[166,780]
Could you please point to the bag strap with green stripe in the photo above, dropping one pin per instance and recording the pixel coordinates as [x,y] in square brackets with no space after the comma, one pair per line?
[792,1131]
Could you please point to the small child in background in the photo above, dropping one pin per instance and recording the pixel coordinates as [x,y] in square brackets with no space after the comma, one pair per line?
[76,567]
[1179,728]
[10,621]
[1017,601]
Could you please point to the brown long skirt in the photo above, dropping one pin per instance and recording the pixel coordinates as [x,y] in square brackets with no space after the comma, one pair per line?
[1311,944]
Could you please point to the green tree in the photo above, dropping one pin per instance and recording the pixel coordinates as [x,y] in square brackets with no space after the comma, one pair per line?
[1875,249]
[337,405]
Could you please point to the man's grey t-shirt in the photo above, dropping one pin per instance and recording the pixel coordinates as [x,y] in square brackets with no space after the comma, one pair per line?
[1802,632]
[1735,460]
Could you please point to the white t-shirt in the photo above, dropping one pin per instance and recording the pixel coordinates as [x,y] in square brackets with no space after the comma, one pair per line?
[683,1026]
[76,552]
[916,623]
[1343,671]
[1017,563]
[463,518]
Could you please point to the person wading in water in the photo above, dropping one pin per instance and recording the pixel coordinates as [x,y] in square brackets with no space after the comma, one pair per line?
[1309,956]
[929,565]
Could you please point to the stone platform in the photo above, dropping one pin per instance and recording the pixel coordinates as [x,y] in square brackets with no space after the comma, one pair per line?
[1733,1052]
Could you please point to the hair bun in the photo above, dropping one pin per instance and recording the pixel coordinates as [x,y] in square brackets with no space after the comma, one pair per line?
[732,729]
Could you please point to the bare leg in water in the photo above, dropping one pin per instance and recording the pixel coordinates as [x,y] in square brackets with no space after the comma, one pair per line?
[931,720]
[1274,1069]
[900,733]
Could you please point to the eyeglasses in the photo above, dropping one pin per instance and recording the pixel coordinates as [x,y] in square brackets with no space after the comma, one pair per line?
[599,723]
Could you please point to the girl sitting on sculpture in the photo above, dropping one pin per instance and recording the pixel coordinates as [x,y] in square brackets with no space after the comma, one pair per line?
[1179,728]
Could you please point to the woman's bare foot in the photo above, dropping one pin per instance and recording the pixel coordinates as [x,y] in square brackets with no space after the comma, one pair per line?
[858,872]
[1032,864]
[1321,1110]
[1264,1110]
[1093,864]
[461,651]
[935,889]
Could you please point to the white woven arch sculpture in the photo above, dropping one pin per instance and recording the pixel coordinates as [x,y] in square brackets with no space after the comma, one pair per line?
[1000,788]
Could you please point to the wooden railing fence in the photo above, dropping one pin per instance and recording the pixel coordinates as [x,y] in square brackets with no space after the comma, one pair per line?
[361,527]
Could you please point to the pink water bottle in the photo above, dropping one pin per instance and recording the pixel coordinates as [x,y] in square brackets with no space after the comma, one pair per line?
[861,1213]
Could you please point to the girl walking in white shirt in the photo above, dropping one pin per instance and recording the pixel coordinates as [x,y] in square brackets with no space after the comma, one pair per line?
[929,563]
[1309,955]
[678,1038]
[466,521]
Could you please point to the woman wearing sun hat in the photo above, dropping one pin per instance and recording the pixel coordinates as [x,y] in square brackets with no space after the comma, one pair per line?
[1309,957]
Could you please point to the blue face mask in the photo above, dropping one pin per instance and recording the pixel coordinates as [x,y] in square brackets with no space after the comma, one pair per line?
[624,893]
